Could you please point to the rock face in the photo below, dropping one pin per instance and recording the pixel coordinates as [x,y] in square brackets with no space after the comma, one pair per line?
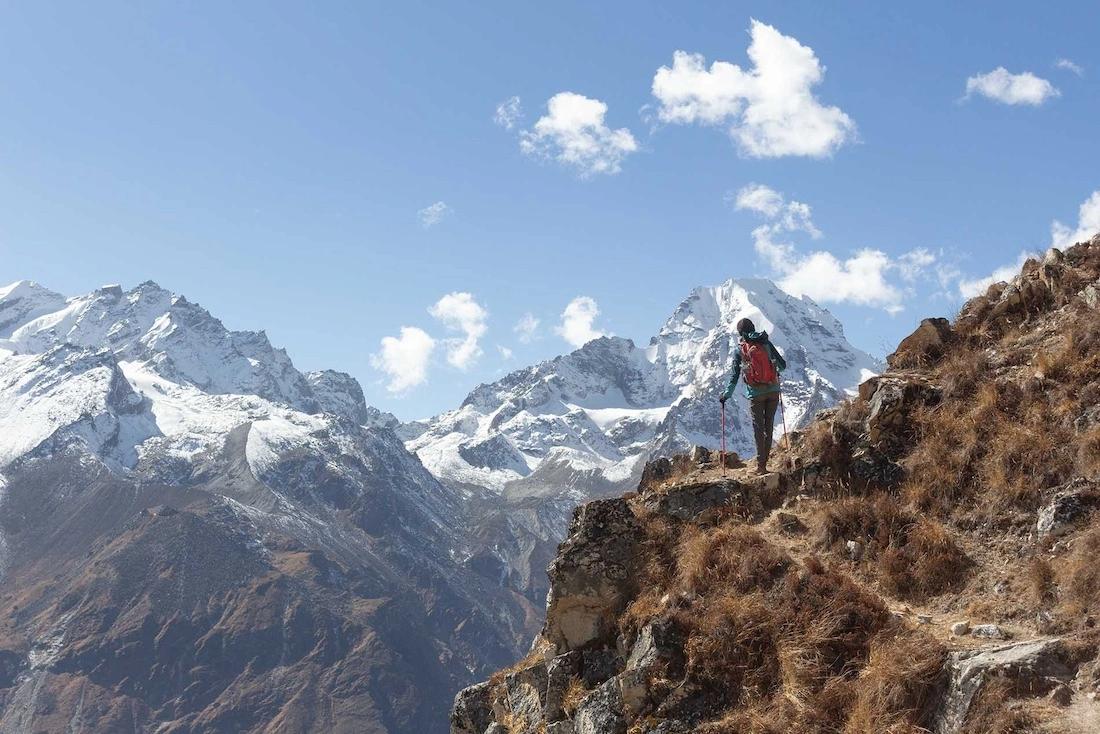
[1034,668]
[593,576]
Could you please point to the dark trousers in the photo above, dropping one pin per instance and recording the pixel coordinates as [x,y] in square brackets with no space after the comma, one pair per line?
[763,425]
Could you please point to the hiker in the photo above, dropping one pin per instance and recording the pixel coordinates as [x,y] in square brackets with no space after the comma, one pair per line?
[762,363]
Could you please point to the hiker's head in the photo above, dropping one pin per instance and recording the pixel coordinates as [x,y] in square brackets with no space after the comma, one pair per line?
[745,326]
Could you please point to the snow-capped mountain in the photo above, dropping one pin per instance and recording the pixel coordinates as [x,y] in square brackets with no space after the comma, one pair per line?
[606,408]
[155,464]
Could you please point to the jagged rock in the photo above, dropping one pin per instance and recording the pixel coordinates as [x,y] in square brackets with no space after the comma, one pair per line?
[927,344]
[1091,295]
[789,524]
[1089,418]
[559,672]
[654,473]
[659,642]
[525,693]
[961,628]
[891,399]
[472,712]
[855,550]
[1033,667]
[560,727]
[593,575]
[1061,695]
[497,728]
[598,666]
[989,632]
[700,455]
[1069,505]
[601,712]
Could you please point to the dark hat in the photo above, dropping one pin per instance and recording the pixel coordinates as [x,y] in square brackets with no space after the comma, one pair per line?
[745,326]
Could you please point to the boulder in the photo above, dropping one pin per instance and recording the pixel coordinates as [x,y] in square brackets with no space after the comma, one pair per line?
[659,643]
[960,628]
[655,473]
[601,712]
[599,665]
[789,524]
[694,502]
[1069,505]
[473,709]
[925,346]
[989,632]
[593,576]
[525,694]
[700,455]
[1033,668]
[1091,295]
[891,400]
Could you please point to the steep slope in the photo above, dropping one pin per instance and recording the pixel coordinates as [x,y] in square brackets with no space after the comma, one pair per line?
[583,425]
[195,536]
[924,559]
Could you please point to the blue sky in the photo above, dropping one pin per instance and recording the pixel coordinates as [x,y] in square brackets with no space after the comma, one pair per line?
[271,161]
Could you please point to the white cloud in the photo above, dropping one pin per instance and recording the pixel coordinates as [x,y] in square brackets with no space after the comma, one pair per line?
[863,278]
[434,214]
[770,109]
[405,358]
[505,352]
[1088,224]
[526,327]
[978,286]
[508,113]
[577,321]
[574,134]
[460,312]
[914,263]
[1001,86]
[1069,66]
[758,198]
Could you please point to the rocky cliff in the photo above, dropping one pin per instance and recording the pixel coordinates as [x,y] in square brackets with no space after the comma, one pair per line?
[921,558]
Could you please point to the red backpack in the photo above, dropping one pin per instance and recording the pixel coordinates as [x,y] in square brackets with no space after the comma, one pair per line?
[757,364]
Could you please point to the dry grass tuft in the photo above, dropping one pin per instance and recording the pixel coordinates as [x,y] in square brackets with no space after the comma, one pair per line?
[914,557]
[575,692]
[732,557]
[894,691]
[1080,575]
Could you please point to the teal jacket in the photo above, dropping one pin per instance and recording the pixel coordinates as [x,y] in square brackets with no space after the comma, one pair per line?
[777,360]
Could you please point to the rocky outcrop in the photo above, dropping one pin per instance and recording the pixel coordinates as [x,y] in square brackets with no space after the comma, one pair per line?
[1069,506]
[1032,668]
[593,576]
[927,344]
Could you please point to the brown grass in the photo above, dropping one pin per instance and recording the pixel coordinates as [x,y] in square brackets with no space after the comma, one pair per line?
[1041,581]
[993,711]
[913,557]
[732,557]
[1080,575]
[574,694]
[894,691]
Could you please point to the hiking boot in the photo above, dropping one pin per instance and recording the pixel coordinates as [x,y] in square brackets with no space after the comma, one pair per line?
[762,469]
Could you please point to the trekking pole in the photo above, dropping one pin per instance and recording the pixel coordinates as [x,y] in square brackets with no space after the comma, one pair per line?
[783,418]
[722,453]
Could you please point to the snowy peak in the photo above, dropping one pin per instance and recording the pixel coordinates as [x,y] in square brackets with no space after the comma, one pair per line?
[173,337]
[25,300]
[609,406]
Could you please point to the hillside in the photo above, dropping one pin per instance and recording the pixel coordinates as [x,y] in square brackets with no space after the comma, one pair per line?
[921,558]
